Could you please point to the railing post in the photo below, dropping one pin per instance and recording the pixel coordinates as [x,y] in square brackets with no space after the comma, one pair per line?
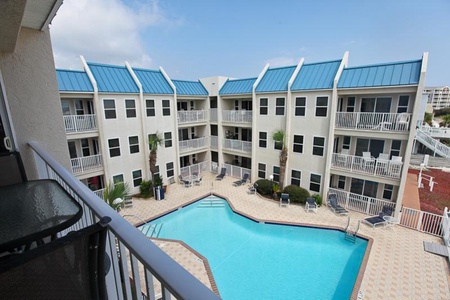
[419,221]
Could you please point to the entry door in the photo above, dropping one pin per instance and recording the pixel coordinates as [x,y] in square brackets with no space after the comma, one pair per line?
[374,146]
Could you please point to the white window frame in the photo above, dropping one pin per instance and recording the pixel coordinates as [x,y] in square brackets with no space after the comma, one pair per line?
[260,139]
[264,106]
[165,108]
[262,171]
[299,179]
[311,182]
[298,144]
[300,107]
[168,140]
[318,146]
[115,147]
[402,108]
[168,169]
[130,109]
[133,145]
[322,106]
[118,175]
[109,109]
[280,107]
[150,108]
[136,178]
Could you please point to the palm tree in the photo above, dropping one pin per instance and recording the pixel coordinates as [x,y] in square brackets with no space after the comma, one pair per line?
[154,140]
[279,137]
[446,120]
[113,191]
[428,118]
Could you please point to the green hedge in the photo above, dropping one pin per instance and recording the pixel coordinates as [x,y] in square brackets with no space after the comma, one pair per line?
[264,187]
[296,194]
[146,189]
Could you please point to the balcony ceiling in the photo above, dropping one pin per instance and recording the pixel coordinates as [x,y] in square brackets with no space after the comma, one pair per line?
[14,14]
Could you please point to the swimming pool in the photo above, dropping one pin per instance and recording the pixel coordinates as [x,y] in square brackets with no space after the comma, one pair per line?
[251,260]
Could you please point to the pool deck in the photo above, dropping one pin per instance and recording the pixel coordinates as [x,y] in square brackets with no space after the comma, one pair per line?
[397,267]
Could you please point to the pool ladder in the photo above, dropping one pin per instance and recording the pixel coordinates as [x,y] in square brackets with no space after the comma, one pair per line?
[349,234]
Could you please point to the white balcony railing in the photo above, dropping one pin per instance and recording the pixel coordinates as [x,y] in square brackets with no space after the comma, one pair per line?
[80,123]
[214,142]
[193,144]
[440,132]
[86,164]
[126,247]
[237,145]
[411,218]
[373,121]
[237,172]
[213,115]
[197,169]
[237,116]
[370,166]
[192,116]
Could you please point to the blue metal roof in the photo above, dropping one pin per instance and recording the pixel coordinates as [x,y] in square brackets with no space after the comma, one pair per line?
[153,82]
[113,79]
[390,74]
[237,86]
[316,76]
[73,81]
[190,88]
[275,79]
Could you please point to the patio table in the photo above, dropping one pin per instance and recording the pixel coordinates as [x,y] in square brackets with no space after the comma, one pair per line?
[34,210]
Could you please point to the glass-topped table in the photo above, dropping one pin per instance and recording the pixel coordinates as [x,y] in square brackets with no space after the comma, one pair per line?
[33,210]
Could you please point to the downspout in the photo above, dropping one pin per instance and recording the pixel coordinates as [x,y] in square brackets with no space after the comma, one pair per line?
[288,125]
[99,120]
[412,133]
[143,118]
[175,121]
[255,135]
[330,139]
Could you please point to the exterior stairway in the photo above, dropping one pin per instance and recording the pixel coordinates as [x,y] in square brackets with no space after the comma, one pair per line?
[434,145]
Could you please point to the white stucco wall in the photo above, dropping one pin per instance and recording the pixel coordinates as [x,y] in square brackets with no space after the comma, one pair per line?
[33,98]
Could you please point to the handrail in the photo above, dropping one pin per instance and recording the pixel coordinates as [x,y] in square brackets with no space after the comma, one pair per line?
[174,278]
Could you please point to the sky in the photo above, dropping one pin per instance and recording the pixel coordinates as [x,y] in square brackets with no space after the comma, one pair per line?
[237,38]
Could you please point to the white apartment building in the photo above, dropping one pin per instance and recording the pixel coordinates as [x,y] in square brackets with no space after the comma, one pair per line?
[438,96]
[348,129]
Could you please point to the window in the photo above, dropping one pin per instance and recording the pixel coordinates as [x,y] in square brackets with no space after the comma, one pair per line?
[134,144]
[388,191]
[114,147]
[169,168]
[85,147]
[341,182]
[296,177]
[300,106]
[350,104]
[276,173]
[118,178]
[167,139]
[279,108]
[298,143]
[130,107]
[314,182]
[364,187]
[346,142]
[263,106]
[150,107]
[110,108]
[261,170]
[137,178]
[263,139]
[318,145]
[166,107]
[321,106]
[277,145]
[79,107]
[403,103]
[395,148]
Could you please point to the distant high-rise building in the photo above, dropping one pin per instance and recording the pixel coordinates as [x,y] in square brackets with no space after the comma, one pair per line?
[439,97]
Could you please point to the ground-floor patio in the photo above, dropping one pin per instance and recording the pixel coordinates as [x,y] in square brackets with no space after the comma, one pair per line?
[397,267]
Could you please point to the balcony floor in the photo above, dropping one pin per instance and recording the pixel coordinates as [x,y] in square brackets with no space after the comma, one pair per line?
[397,268]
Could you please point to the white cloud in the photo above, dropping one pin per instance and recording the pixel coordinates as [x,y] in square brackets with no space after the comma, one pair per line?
[105,31]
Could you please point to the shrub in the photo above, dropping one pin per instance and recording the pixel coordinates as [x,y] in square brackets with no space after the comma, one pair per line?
[146,188]
[264,187]
[442,112]
[318,199]
[296,194]
[113,191]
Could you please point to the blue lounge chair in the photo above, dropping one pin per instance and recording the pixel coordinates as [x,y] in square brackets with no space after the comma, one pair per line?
[284,200]
[241,181]
[253,188]
[379,219]
[335,207]
[223,171]
[311,205]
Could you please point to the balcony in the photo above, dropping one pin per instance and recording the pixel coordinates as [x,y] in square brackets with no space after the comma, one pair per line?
[214,142]
[237,145]
[86,164]
[237,116]
[80,123]
[126,246]
[389,122]
[370,166]
[192,116]
[194,144]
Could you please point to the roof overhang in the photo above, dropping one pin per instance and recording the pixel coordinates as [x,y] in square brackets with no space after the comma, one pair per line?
[14,14]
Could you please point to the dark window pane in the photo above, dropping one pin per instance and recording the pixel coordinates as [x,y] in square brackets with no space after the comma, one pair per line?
[299,111]
[321,112]
[263,110]
[298,148]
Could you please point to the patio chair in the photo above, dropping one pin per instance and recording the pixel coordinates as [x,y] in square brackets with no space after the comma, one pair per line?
[402,121]
[311,205]
[12,170]
[241,181]
[253,188]
[73,266]
[335,207]
[198,180]
[379,219]
[284,200]
[223,171]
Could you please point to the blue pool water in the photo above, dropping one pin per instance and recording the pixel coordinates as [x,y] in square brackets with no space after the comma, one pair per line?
[251,260]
